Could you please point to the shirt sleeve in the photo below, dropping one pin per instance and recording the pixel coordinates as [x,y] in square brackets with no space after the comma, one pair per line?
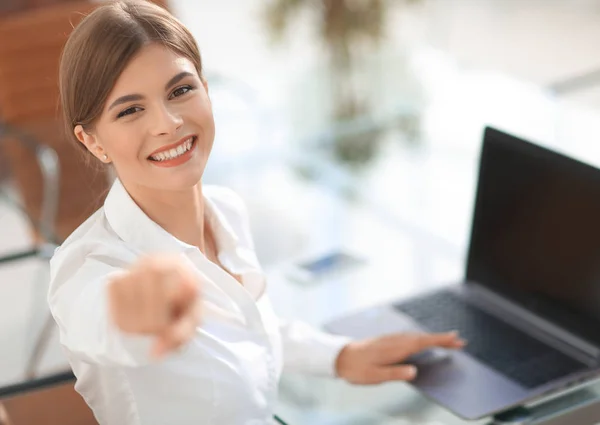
[78,303]
[305,349]
[310,350]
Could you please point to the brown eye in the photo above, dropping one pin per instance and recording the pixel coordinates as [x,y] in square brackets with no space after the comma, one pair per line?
[129,111]
[180,91]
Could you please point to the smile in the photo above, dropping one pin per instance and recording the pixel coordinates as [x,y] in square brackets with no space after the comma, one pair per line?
[174,152]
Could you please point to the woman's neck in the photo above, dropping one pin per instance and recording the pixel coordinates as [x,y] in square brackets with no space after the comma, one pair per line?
[181,213]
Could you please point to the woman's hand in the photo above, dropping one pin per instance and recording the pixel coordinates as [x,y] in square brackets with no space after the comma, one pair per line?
[374,361]
[159,296]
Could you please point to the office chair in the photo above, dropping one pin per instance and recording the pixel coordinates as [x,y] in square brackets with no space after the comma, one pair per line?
[56,200]
[44,246]
[31,42]
[51,185]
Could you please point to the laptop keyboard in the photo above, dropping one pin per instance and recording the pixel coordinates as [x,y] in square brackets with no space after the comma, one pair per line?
[502,347]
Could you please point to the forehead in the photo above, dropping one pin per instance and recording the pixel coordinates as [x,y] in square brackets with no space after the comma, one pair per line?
[152,66]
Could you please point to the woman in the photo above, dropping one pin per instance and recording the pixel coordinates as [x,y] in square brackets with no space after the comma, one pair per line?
[159,297]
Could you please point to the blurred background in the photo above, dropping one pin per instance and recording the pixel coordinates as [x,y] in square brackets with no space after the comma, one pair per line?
[348,126]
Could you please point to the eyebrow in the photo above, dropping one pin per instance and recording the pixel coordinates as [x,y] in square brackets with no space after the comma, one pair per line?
[178,78]
[137,97]
[125,99]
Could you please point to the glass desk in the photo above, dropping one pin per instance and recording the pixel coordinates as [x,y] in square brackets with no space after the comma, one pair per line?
[406,216]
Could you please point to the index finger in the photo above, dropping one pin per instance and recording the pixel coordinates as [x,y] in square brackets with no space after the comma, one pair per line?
[447,340]
[186,288]
[178,333]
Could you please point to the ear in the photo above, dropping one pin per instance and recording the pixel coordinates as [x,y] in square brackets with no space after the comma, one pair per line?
[91,143]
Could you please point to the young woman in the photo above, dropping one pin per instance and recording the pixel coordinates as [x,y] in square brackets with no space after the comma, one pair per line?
[159,296]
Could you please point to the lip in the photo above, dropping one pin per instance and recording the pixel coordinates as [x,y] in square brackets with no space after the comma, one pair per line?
[178,161]
[172,145]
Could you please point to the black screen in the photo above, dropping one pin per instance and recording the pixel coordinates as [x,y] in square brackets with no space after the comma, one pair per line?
[536,232]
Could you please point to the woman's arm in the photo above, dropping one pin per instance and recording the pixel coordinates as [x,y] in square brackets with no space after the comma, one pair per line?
[369,361]
[309,350]
[125,316]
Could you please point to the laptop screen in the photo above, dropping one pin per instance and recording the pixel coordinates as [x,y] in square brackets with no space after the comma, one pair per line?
[536,232]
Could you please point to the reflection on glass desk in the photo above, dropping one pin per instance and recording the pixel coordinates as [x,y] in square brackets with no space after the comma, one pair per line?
[395,263]
[306,400]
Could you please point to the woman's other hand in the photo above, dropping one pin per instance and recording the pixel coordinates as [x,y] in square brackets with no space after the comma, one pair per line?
[378,360]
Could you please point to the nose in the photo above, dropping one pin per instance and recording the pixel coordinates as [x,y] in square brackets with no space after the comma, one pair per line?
[166,121]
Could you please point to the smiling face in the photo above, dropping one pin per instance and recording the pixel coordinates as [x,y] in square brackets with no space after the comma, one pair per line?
[157,126]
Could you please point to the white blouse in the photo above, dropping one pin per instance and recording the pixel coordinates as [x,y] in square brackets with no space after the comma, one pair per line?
[228,373]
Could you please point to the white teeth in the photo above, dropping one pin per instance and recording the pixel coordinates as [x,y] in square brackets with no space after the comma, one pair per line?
[175,152]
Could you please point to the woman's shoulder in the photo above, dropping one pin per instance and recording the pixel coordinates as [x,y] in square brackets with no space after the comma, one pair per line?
[93,240]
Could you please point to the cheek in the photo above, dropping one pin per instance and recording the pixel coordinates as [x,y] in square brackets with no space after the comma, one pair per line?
[208,123]
[201,111]
[199,118]
[125,142]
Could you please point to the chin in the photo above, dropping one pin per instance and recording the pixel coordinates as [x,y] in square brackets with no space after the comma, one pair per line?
[179,177]
[184,181]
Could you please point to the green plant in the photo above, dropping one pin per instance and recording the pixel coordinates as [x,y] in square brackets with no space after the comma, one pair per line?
[346,28]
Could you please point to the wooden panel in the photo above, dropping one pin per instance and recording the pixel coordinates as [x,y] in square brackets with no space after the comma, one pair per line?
[59,405]
[29,59]
[9,7]
[30,46]
[13,6]
[4,419]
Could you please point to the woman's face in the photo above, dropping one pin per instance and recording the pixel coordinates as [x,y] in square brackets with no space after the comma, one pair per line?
[157,126]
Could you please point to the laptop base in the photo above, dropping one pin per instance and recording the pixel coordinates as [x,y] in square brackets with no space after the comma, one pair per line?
[581,407]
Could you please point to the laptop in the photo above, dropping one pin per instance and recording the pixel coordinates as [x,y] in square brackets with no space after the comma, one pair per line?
[529,305]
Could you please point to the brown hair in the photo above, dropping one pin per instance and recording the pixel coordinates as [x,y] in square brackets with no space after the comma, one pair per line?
[102,45]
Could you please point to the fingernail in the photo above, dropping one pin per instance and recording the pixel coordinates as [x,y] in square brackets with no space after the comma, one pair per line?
[411,372]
